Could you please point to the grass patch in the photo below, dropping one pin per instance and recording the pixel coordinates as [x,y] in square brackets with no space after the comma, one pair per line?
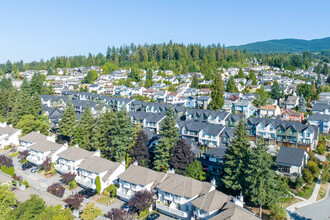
[104,200]
[322,191]
[289,202]
[14,154]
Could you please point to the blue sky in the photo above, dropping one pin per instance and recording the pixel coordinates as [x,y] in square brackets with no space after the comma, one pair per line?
[31,30]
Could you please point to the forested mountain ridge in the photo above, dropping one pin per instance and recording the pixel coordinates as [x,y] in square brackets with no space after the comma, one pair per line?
[285,46]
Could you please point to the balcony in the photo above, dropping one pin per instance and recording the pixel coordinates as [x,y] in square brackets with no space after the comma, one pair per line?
[125,195]
[62,168]
[172,211]
[34,159]
[85,182]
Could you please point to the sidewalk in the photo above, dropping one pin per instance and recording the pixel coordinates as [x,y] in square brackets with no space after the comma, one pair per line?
[292,208]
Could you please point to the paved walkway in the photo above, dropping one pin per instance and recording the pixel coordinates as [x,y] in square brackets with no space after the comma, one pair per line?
[292,208]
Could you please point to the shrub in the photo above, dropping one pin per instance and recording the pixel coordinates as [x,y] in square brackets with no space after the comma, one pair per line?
[9,170]
[142,200]
[321,148]
[56,189]
[17,177]
[25,182]
[119,214]
[7,147]
[6,161]
[75,200]
[68,177]
[98,184]
[90,212]
[72,184]
[23,154]
[308,176]
[299,182]
[112,189]
[46,165]
[312,166]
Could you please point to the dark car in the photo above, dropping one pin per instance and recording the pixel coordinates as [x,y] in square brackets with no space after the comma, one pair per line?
[27,166]
[87,193]
[153,216]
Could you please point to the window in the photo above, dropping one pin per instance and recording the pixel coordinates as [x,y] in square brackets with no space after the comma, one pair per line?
[308,134]
[308,141]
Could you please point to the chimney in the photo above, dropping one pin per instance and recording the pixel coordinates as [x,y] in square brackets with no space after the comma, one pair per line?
[135,163]
[239,200]
[170,171]
[97,153]
[50,138]
[123,162]
[38,132]
[214,182]
[66,144]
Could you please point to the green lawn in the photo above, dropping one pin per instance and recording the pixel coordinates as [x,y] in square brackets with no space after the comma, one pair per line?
[106,200]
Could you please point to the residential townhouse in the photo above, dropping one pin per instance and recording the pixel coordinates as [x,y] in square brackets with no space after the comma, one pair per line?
[94,166]
[148,120]
[291,102]
[69,159]
[40,150]
[284,133]
[213,159]
[137,178]
[8,135]
[176,192]
[210,135]
[209,204]
[320,120]
[210,116]
[245,107]
[269,111]
[323,109]
[203,102]
[291,160]
[292,115]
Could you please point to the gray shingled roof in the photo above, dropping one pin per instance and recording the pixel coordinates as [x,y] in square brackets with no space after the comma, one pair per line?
[211,201]
[98,165]
[216,152]
[75,153]
[234,212]
[7,130]
[44,146]
[23,195]
[33,137]
[319,117]
[183,186]
[291,156]
[141,175]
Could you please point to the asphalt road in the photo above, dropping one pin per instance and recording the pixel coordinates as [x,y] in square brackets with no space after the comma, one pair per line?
[317,211]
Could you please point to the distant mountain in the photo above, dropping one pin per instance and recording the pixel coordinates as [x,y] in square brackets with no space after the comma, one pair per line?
[286,46]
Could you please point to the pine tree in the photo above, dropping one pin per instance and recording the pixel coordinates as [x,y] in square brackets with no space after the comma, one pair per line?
[101,134]
[68,123]
[276,91]
[24,105]
[325,69]
[25,87]
[168,136]
[254,82]
[120,135]
[262,98]
[231,86]
[318,81]
[195,170]
[140,151]
[217,89]
[85,127]
[195,82]
[36,105]
[50,90]
[252,76]
[260,183]
[182,156]
[240,74]
[302,104]
[236,159]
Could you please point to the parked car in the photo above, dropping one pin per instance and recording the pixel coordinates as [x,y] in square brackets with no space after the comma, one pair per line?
[27,166]
[34,170]
[153,216]
[87,193]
